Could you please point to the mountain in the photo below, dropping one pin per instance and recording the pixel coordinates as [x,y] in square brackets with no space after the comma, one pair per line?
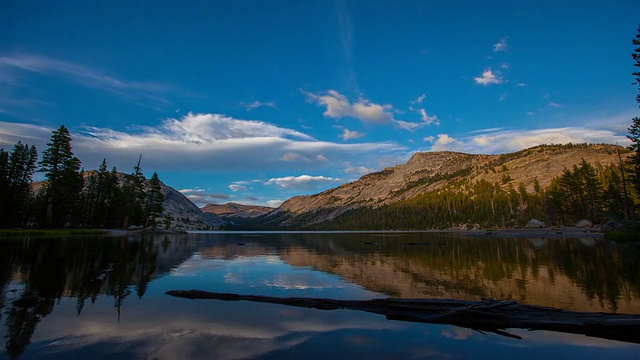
[230,211]
[429,172]
[185,214]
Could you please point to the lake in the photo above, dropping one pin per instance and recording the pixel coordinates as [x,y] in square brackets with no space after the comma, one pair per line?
[104,297]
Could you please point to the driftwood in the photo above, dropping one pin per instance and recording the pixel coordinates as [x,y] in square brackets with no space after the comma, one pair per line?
[486,315]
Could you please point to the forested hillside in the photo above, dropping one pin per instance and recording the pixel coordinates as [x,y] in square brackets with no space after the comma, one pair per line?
[557,184]
[72,197]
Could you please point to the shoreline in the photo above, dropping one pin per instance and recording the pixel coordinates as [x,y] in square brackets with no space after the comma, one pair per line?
[547,232]
[565,232]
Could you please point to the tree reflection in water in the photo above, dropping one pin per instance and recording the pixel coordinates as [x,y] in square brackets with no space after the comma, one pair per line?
[533,271]
[79,268]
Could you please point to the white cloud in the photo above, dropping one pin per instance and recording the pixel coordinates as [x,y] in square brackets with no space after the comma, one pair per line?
[338,106]
[488,77]
[201,197]
[554,105]
[200,142]
[503,96]
[256,104]
[411,126]
[428,120]
[504,141]
[419,100]
[349,135]
[357,170]
[445,142]
[209,128]
[501,45]
[238,186]
[521,84]
[430,139]
[11,133]
[274,203]
[305,182]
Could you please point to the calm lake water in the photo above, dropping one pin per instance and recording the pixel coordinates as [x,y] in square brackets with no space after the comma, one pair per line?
[104,297]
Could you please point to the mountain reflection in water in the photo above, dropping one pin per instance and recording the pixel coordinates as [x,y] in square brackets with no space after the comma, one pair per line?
[574,274]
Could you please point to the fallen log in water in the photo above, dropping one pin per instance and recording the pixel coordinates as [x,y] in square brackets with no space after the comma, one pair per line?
[486,315]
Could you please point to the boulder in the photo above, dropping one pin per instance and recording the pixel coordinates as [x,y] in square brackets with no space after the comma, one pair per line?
[535,223]
[140,227]
[132,228]
[584,223]
[613,225]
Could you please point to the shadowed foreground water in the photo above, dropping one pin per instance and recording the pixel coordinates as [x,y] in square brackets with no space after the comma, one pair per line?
[104,297]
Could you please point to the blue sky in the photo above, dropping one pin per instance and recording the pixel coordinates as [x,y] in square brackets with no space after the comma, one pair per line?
[258,101]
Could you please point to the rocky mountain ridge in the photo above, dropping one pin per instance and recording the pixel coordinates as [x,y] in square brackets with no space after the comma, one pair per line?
[185,215]
[433,170]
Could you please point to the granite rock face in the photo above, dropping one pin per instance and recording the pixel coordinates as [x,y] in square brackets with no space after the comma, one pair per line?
[184,214]
[430,171]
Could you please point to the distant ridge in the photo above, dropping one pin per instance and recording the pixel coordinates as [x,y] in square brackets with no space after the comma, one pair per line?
[236,211]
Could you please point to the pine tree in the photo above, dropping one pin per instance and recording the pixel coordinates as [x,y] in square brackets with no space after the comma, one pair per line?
[133,196]
[16,172]
[154,200]
[64,180]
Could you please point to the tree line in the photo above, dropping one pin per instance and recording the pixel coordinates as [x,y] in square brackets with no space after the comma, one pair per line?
[70,196]
[593,192]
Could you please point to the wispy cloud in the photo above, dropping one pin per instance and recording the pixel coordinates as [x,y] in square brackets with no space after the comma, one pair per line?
[203,142]
[82,75]
[256,104]
[298,157]
[357,170]
[419,100]
[350,135]
[345,27]
[502,141]
[11,133]
[489,77]
[426,119]
[302,182]
[239,186]
[501,45]
[274,203]
[201,196]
